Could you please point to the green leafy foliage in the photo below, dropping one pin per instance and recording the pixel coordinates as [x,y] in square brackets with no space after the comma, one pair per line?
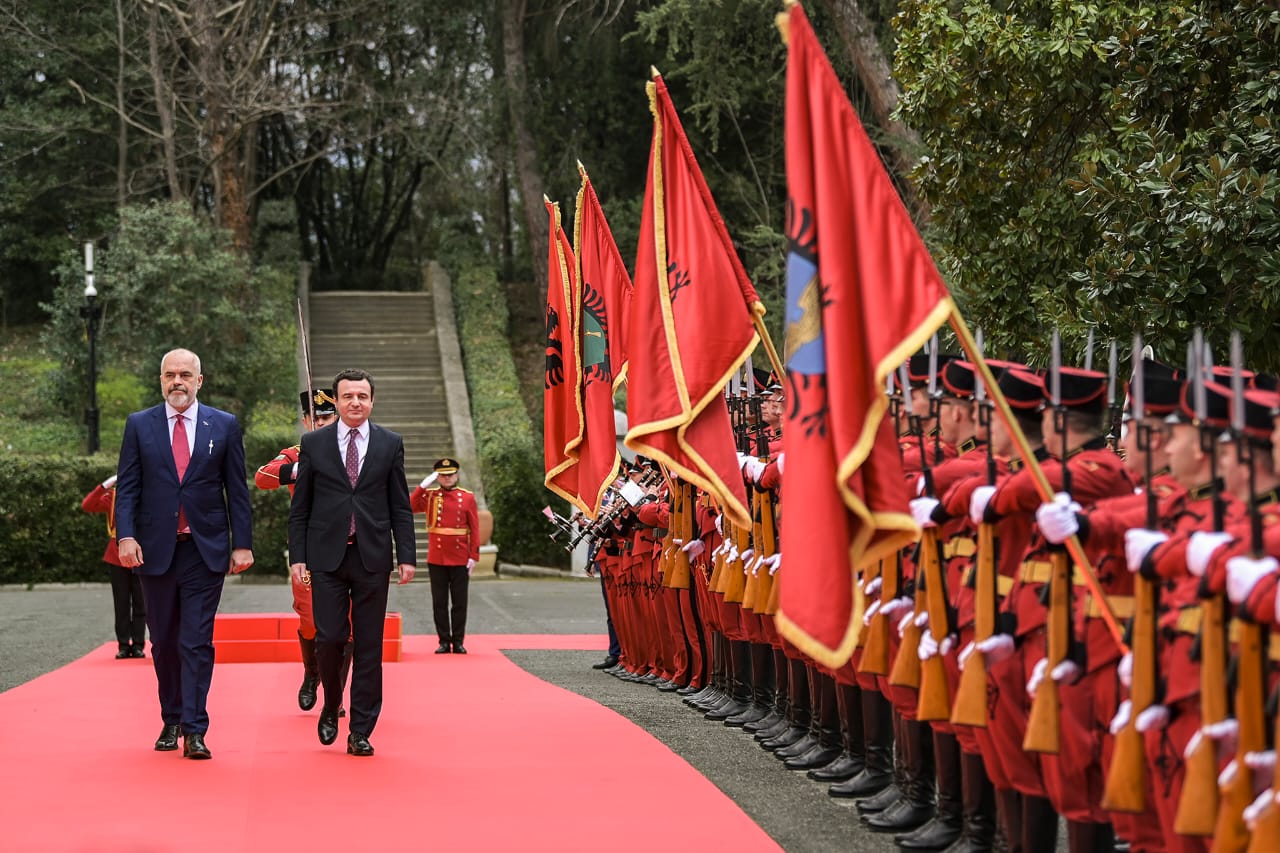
[510,458]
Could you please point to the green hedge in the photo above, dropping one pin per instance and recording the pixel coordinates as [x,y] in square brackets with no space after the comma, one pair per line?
[45,537]
[510,458]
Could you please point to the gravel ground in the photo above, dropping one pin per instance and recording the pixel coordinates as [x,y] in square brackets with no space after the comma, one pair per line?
[44,628]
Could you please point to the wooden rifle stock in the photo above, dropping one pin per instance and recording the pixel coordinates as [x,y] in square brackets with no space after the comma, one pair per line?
[970,707]
[1198,807]
[906,666]
[736,581]
[714,584]
[1266,832]
[678,575]
[1126,787]
[1044,723]
[768,546]
[752,566]
[875,653]
[1231,835]
[935,695]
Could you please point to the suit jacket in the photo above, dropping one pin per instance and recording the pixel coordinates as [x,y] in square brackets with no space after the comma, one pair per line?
[324,500]
[214,492]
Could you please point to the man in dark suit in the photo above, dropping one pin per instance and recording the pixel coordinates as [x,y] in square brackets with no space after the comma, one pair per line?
[349,498]
[182,522]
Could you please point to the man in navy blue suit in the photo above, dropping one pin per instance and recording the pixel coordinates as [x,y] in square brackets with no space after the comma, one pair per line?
[182,522]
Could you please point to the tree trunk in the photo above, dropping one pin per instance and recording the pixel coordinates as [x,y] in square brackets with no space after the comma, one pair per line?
[164,107]
[528,179]
[875,73]
[122,133]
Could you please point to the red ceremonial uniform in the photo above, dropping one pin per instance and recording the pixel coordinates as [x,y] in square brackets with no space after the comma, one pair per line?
[453,524]
[104,500]
[276,473]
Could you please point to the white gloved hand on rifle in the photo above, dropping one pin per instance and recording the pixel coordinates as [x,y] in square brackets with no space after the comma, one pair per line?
[1243,574]
[1057,519]
[978,503]
[929,646]
[1153,718]
[997,647]
[922,511]
[1138,543]
[1200,548]
[1123,714]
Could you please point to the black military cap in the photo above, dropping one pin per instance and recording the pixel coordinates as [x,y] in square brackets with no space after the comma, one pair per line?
[958,379]
[446,466]
[1161,388]
[1082,390]
[319,400]
[1023,390]
[1258,409]
[1217,406]
[918,367]
[1265,382]
[764,379]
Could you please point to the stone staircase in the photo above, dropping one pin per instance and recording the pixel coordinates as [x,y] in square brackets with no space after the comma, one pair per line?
[393,336]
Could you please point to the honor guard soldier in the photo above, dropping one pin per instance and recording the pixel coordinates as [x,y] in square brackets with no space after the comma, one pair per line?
[453,549]
[318,409]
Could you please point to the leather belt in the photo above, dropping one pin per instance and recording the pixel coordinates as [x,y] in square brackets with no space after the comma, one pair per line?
[1004,583]
[1189,619]
[959,546]
[1122,606]
[184,537]
[448,531]
[1039,571]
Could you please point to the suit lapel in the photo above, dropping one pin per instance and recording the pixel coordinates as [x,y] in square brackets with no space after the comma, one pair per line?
[375,446]
[204,439]
[160,435]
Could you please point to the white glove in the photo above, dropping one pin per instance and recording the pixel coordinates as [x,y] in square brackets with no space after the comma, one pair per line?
[748,554]
[978,503]
[471,564]
[773,563]
[720,524]
[429,479]
[968,650]
[1057,519]
[1138,543]
[1122,717]
[1066,672]
[873,586]
[870,612]
[781,456]
[1125,669]
[109,482]
[1037,676]
[1267,799]
[1153,718]
[920,485]
[922,511]
[922,619]
[929,646]
[903,623]
[1224,732]
[694,548]
[1243,574]
[997,647]
[753,468]
[1200,548]
[1228,774]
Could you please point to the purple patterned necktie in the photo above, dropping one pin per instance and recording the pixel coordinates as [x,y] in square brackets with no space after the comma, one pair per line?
[353,471]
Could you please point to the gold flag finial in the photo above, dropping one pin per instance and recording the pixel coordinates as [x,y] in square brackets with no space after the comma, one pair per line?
[654,72]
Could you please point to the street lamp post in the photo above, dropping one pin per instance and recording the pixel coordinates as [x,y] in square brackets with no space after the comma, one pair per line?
[92,313]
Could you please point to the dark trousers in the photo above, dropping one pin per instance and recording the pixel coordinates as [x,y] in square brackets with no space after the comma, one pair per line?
[131,613]
[181,604]
[615,648]
[449,586]
[353,590]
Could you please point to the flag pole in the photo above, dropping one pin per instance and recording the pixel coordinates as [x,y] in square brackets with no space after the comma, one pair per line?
[757,317]
[1037,474]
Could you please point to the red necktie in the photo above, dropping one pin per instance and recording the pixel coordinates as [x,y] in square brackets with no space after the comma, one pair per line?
[181,458]
[353,470]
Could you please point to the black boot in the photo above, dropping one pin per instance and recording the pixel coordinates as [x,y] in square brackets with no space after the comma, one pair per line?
[778,713]
[828,730]
[849,762]
[877,733]
[1089,837]
[724,690]
[1008,822]
[1039,824]
[801,708]
[947,822]
[741,694]
[916,805]
[979,831]
[810,738]
[762,678]
[310,673]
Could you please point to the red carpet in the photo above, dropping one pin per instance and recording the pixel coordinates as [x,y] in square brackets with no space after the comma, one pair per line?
[473,754]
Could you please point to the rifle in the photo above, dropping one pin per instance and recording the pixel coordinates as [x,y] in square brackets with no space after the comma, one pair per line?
[1231,834]
[935,694]
[766,543]
[1044,723]
[875,652]
[666,556]
[1126,787]
[683,516]
[1198,807]
[970,707]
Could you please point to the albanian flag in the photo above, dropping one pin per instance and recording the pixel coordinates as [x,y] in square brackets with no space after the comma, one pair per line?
[562,382]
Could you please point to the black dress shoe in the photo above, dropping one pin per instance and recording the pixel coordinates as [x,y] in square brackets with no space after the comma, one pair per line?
[442,649]
[307,692]
[123,653]
[193,747]
[168,740]
[844,767]
[458,649]
[137,652]
[327,728]
[608,662]
[358,744]
[864,784]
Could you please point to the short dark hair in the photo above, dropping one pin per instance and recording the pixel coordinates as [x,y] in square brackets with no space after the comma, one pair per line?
[353,374]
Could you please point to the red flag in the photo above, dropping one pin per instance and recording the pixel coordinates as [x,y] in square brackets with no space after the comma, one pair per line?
[604,288]
[561,394]
[862,295]
[691,321]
